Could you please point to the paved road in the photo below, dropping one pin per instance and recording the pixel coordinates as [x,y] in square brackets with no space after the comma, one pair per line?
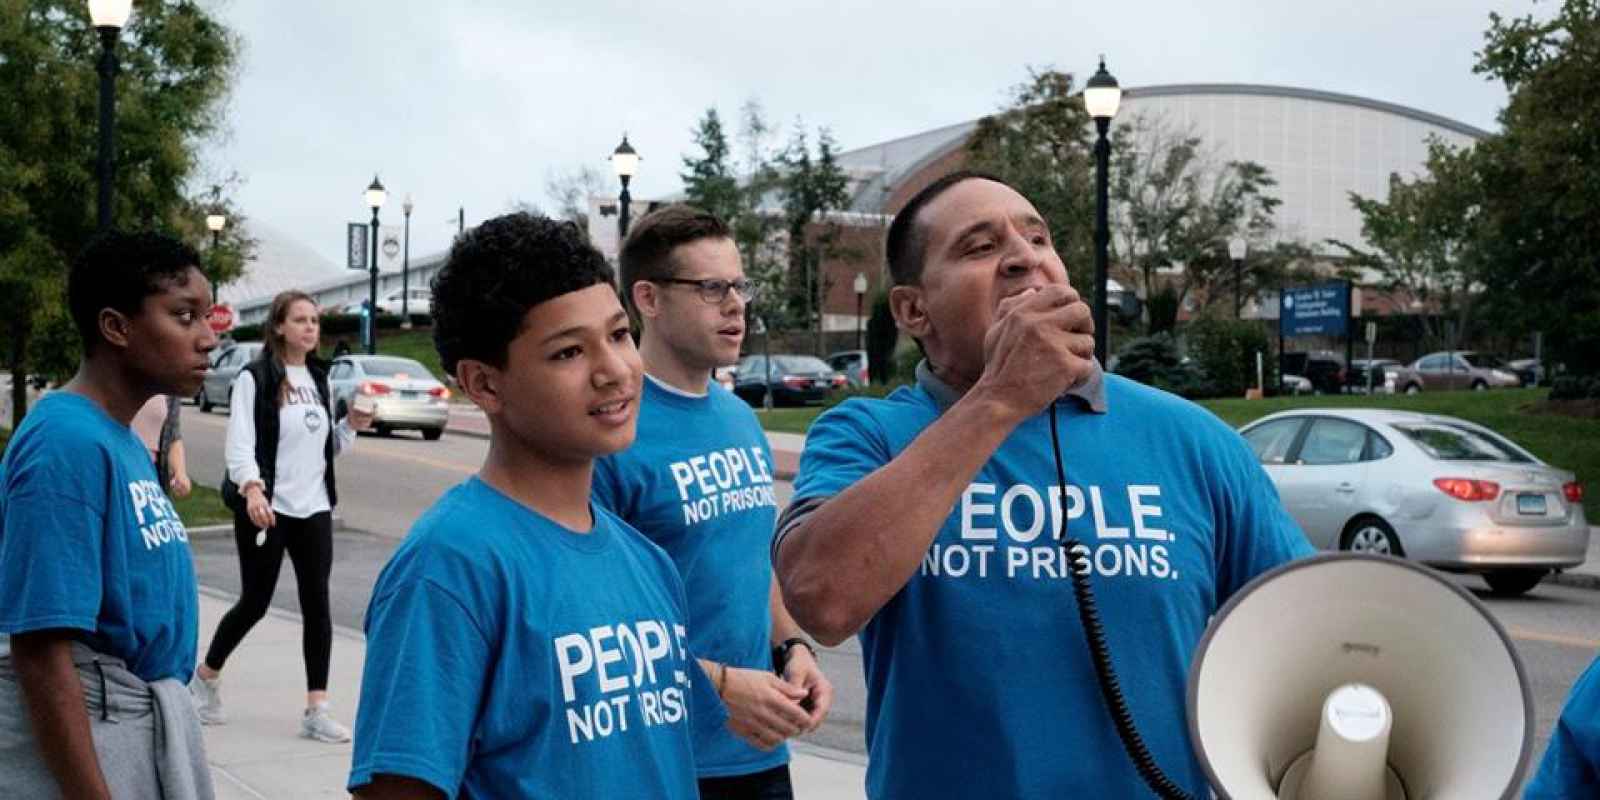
[386,483]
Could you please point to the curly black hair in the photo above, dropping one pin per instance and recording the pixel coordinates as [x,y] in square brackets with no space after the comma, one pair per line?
[499,270]
[119,270]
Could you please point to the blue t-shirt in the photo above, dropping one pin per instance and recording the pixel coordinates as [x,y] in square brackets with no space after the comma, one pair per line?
[89,541]
[1570,769]
[979,681]
[508,656]
[698,482]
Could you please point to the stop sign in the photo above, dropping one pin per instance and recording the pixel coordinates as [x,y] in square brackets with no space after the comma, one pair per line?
[220,318]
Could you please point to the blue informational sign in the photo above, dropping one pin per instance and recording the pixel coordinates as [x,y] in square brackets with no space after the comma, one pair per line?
[1321,310]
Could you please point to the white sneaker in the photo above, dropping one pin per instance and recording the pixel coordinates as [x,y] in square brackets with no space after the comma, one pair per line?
[208,699]
[318,724]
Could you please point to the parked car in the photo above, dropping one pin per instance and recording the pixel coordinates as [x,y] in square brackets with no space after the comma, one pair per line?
[226,361]
[1294,384]
[1388,376]
[420,302]
[853,363]
[407,396]
[1324,368]
[1464,369]
[1432,488]
[1529,370]
[796,379]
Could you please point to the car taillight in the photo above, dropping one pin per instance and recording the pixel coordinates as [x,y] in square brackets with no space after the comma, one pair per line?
[1573,491]
[440,392]
[840,380]
[795,382]
[1468,489]
[374,388]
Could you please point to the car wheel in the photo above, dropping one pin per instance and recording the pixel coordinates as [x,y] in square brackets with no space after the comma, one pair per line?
[432,434]
[1513,582]
[1478,386]
[1371,535]
[1412,388]
[205,402]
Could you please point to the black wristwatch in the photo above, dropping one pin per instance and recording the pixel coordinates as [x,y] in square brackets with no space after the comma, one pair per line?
[780,653]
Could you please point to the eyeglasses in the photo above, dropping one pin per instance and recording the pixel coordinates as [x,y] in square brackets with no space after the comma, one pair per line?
[715,290]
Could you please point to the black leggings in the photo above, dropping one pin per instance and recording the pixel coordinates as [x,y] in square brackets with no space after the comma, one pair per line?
[310,545]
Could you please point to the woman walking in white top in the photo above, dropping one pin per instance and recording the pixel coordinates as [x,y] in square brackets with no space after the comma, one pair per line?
[280,486]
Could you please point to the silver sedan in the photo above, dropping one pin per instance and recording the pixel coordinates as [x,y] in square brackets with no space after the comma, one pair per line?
[405,394]
[1436,489]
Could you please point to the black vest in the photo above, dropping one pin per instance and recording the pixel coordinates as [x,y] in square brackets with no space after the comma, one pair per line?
[268,375]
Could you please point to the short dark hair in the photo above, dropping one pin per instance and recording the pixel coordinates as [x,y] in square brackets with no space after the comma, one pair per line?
[647,253]
[496,272]
[118,271]
[907,243]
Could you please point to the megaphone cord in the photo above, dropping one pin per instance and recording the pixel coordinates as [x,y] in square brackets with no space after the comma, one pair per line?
[1094,633]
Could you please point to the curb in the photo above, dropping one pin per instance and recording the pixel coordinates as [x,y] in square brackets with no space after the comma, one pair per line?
[226,528]
[1576,580]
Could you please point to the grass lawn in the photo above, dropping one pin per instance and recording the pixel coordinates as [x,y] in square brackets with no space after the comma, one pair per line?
[1566,442]
[203,506]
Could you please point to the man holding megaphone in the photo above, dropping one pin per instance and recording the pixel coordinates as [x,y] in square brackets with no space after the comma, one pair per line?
[932,523]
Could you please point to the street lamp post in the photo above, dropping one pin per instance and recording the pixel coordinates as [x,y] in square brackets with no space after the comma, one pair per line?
[1237,248]
[860,286]
[625,160]
[109,17]
[375,196]
[1101,96]
[215,223]
[405,269]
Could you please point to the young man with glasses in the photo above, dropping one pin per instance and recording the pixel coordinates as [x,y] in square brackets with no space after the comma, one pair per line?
[698,482]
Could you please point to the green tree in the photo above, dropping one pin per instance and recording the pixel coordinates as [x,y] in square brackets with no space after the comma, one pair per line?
[811,187]
[1039,143]
[1425,242]
[1540,178]
[708,179]
[177,67]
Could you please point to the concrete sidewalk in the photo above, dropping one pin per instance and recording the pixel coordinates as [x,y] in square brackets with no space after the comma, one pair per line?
[259,753]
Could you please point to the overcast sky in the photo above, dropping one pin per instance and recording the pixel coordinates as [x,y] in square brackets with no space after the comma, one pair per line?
[473,104]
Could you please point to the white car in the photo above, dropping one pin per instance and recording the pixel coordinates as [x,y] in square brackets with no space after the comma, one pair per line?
[420,302]
[1440,490]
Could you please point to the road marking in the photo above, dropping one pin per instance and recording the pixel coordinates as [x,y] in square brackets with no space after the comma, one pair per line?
[1525,635]
[450,466]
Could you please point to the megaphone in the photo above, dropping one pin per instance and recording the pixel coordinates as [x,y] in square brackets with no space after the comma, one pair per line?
[1358,677]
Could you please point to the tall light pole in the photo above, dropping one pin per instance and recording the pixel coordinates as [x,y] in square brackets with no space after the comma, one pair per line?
[860,285]
[1101,96]
[625,160]
[405,269]
[215,223]
[1237,248]
[109,17]
[375,196]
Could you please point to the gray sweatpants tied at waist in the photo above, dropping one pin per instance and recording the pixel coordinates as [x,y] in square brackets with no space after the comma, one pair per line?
[146,735]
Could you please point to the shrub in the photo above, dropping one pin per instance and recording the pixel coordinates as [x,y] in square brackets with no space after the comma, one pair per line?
[1225,352]
[1155,361]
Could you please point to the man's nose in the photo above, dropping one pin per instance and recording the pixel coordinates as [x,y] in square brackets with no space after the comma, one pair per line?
[1020,256]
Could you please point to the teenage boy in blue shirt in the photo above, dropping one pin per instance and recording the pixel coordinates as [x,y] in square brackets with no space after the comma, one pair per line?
[523,642]
[930,523]
[698,482]
[97,587]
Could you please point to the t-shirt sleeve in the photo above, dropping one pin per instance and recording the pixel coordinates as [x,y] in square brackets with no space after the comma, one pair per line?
[51,553]
[843,446]
[1257,532]
[1571,765]
[427,661]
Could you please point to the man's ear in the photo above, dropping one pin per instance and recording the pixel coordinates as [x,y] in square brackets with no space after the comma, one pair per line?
[115,327]
[646,300]
[481,383]
[910,312]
